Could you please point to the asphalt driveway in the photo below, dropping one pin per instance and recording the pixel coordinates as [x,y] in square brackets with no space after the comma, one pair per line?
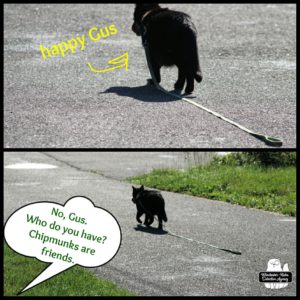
[247,53]
[152,264]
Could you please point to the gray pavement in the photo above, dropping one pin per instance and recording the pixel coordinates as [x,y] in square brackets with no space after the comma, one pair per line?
[131,163]
[154,264]
[247,53]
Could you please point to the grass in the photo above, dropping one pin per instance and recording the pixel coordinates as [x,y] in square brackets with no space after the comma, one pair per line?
[270,189]
[20,270]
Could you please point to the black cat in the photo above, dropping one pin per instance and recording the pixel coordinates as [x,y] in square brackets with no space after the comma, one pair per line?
[172,40]
[150,203]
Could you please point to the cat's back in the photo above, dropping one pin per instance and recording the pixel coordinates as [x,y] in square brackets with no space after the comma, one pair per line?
[169,30]
[167,18]
[154,196]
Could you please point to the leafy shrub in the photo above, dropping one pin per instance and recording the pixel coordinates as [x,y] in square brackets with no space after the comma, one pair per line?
[263,159]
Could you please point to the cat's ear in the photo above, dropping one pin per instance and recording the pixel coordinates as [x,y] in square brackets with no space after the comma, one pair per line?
[142,188]
[133,187]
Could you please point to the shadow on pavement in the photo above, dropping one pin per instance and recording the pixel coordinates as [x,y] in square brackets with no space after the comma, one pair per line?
[146,93]
[151,230]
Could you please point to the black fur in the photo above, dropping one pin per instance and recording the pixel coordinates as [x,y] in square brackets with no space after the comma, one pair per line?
[150,203]
[172,40]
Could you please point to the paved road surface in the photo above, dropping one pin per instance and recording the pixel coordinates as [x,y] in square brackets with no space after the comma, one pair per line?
[153,264]
[247,53]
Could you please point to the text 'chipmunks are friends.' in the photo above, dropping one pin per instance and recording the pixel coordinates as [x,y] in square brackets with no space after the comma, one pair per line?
[70,46]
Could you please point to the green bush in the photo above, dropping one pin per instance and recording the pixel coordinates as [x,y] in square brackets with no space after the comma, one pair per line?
[261,159]
[273,159]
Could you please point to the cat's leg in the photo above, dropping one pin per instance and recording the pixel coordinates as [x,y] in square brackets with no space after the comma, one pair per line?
[181,79]
[191,61]
[154,65]
[147,220]
[190,82]
[150,220]
[160,222]
[138,215]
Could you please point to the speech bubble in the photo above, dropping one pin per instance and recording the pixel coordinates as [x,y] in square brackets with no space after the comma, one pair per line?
[76,233]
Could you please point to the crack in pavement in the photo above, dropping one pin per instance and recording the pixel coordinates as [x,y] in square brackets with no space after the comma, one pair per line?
[80,168]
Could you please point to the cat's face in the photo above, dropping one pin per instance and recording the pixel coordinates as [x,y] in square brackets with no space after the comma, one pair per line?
[140,10]
[136,192]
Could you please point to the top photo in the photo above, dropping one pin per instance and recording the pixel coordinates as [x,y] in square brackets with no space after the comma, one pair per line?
[143,76]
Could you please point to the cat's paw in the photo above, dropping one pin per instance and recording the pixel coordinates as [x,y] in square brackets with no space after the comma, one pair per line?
[189,90]
[147,224]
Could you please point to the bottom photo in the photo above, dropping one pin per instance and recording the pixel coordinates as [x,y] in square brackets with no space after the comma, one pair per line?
[142,223]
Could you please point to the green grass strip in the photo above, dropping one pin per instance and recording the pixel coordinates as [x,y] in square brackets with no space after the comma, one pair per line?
[20,270]
[270,189]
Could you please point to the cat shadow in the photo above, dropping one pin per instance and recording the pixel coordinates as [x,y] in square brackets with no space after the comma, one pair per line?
[151,230]
[145,93]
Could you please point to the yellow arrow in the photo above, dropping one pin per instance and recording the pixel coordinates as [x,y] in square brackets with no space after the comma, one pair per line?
[121,61]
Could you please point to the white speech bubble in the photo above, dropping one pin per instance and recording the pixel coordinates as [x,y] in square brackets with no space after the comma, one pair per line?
[63,235]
